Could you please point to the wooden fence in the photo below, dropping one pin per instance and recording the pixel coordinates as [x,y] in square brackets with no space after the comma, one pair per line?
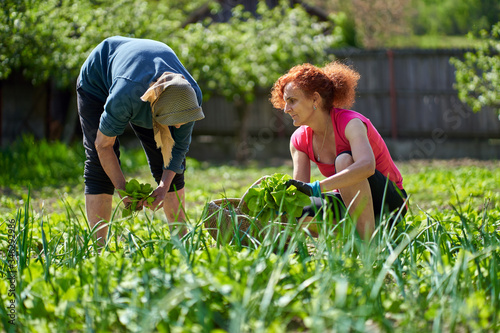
[407,94]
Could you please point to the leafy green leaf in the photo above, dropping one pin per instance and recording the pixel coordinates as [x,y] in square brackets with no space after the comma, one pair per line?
[126,212]
[272,196]
[136,192]
[132,186]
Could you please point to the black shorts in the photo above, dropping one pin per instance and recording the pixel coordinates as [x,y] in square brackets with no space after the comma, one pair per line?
[97,181]
[385,200]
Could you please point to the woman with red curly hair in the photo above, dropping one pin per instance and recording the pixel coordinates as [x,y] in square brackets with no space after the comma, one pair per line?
[344,144]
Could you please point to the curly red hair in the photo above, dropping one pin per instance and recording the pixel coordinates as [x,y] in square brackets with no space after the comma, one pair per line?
[336,83]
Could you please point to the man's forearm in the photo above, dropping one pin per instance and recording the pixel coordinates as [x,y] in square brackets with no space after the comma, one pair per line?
[110,164]
[166,178]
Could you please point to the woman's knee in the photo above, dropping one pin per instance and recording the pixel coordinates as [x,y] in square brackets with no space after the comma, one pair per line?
[343,161]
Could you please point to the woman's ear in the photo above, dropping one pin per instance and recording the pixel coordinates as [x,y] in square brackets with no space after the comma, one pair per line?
[317,99]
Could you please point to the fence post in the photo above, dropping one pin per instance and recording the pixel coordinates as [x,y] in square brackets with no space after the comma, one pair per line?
[392,93]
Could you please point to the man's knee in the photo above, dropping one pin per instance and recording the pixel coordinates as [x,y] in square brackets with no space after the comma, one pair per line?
[173,206]
[173,200]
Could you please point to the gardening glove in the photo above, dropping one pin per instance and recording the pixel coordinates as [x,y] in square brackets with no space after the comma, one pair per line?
[311,189]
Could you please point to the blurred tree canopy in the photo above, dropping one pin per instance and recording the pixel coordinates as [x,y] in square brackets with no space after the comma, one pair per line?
[52,38]
[376,22]
[478,74]
[233,59]
[453,17]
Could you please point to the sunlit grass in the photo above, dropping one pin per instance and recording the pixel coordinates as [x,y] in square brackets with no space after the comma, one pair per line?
[437,271]
[433,42]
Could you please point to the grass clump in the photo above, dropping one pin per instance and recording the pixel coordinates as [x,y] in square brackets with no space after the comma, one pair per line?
[40,163]
[438,270]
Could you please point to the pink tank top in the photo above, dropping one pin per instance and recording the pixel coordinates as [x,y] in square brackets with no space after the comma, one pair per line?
[302,141]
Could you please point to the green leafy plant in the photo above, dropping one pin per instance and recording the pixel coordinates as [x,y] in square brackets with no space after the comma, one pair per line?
[136,192]
[273,195]
[438,271]
[477,74]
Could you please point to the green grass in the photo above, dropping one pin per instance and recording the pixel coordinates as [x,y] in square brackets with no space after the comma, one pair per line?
[437,272]
[433,42]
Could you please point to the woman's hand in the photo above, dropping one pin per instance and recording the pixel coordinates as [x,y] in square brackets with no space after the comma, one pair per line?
[311,189]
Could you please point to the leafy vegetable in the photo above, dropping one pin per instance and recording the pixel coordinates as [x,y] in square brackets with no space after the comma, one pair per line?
[136,192]
[272,196]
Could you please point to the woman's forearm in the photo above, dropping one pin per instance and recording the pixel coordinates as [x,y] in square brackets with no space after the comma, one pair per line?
[348,177]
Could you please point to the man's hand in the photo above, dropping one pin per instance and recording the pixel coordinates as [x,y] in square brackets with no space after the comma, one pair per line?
[158,195]
[128,203]
[311,189]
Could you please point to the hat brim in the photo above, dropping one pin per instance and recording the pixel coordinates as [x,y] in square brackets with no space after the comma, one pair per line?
[181,117]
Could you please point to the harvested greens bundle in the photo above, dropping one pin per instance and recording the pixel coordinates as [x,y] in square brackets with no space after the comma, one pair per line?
[273,196]
[136,192]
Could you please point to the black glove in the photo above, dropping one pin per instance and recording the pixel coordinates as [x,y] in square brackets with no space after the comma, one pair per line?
[311,189]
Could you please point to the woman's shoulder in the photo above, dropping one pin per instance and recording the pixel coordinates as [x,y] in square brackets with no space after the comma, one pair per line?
[299,136]
[345,113]
[342,116]
[301,131]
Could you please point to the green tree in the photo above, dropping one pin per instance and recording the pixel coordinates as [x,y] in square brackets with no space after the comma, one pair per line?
[50,39]
[478,74]
[233,59]
[9,10]
[248,53]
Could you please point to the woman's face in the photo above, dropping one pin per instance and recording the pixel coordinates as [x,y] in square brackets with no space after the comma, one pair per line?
[297,104]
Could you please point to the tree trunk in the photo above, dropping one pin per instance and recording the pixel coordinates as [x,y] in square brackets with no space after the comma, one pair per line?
[59,100]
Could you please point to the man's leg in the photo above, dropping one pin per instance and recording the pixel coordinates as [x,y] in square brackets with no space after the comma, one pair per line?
[173,206]
[98,207]
[98,186]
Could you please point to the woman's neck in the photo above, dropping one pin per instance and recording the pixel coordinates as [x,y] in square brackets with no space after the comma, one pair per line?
[322,123]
